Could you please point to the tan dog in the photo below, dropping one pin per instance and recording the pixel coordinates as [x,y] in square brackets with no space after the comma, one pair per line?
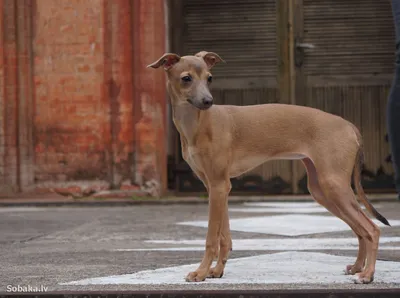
[220,142]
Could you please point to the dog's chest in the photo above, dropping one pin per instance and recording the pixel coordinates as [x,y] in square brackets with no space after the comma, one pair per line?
[191,156]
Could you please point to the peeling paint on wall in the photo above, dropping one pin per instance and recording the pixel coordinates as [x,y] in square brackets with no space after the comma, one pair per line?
[147,172]
[84,135]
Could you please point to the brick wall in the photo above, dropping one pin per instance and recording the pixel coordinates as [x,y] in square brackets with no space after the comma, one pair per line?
[150,92]
[68,76]
[8,97]
[118,93]
[15,96]
[88,109]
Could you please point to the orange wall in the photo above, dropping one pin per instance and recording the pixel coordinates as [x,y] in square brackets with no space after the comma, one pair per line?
[95,114]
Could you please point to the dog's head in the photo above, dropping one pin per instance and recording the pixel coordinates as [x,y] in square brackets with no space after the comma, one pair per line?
[189,77]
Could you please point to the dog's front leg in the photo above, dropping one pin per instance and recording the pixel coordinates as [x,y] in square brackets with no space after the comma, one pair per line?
[225,246]
[218,196]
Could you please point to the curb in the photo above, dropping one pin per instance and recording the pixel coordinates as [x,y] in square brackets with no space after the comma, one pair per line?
[176,201]
[309,293]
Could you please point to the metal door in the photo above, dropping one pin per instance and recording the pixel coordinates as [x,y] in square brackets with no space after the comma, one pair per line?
[343,63]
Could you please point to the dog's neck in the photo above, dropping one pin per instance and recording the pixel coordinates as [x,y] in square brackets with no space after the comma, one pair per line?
[186,117]
[187,120]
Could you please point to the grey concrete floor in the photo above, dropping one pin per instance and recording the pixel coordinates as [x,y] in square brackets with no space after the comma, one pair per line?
[55,245]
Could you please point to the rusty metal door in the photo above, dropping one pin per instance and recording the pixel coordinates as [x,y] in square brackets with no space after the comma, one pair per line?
[343,64]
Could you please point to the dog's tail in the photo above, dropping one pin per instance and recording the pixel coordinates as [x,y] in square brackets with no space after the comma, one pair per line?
[357,181]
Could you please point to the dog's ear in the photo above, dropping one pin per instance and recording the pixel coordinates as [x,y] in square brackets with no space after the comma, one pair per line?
[210,58]
[167,61]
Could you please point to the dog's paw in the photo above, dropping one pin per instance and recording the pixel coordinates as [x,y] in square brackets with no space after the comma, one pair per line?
[361,278]
[215,272]
[352,269]
[196,276]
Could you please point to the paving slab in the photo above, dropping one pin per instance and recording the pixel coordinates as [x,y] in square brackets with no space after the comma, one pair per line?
[277,246]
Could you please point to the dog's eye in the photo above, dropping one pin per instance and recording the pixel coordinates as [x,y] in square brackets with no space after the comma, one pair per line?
[209,79]
[186,79]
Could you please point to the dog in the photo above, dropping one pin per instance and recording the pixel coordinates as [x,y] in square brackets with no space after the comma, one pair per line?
[220,142]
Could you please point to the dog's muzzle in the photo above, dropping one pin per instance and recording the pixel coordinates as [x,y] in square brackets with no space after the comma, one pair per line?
[205,103]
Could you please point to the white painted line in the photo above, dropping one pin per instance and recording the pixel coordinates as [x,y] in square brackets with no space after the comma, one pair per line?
[287,225]
[281,210]
[20,209]
[280,241]
[198,248]
[290,205]
[278,268]
[272,207]
[283,204]
[292,244]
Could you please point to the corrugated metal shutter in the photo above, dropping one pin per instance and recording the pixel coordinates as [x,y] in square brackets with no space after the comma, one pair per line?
[352,37]
[243,33]
[349,73]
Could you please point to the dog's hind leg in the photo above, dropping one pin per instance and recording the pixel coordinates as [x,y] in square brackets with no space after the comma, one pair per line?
[343,197]
[318,195]
[335,181]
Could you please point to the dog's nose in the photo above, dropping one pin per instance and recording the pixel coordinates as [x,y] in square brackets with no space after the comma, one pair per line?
[207,102]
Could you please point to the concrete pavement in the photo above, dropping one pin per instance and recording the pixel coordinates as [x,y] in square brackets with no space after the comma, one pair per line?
[277,245]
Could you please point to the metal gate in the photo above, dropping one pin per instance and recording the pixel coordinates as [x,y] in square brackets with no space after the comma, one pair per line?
[335,55]
[343,64]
